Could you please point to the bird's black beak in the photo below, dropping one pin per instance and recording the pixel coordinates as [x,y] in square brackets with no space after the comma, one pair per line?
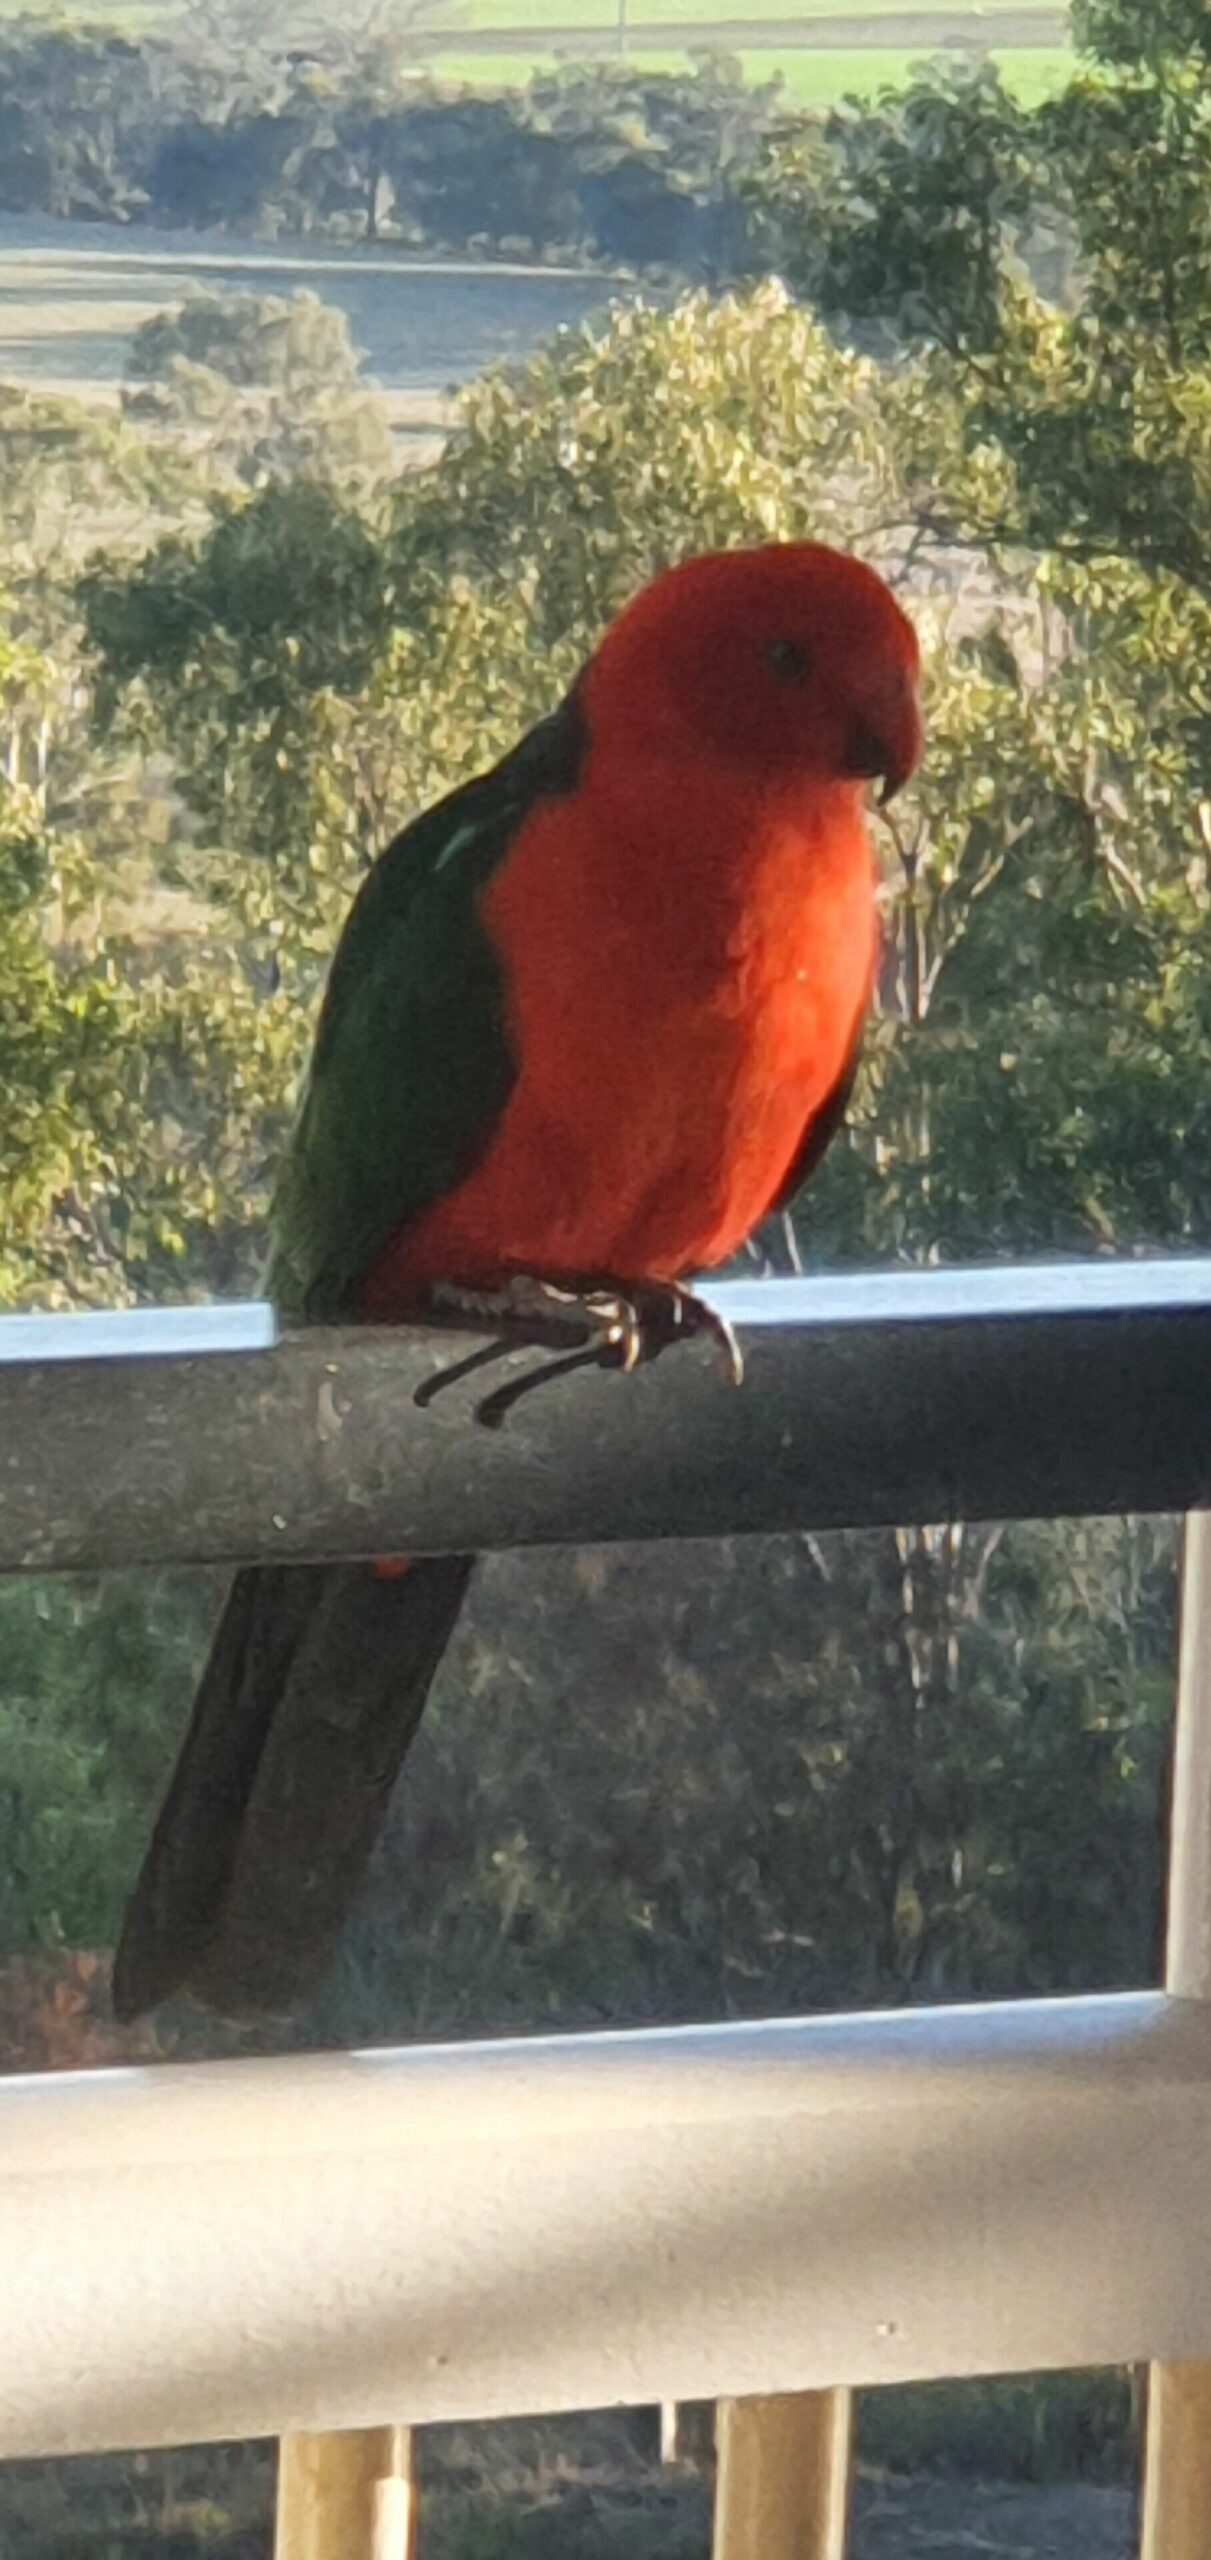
[894,779]
[886,760]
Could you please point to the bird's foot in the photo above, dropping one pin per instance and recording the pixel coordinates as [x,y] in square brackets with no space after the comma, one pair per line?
[645,1316]
[617,1325]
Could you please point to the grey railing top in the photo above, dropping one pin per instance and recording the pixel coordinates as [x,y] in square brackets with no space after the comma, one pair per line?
[197,1435]
[138,1333]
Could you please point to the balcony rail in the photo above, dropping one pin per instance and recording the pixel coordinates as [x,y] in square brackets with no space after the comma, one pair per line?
[1011,1393]
[373,2240]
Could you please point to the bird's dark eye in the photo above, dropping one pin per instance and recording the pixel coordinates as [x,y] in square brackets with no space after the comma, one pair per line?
[789,659]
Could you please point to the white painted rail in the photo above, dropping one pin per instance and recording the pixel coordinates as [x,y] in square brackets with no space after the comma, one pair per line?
[244,2248]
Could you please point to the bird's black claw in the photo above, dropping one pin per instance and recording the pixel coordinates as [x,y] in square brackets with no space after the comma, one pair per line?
[612,1325]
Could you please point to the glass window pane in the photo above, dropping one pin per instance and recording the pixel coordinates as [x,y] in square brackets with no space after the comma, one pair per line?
[355,370]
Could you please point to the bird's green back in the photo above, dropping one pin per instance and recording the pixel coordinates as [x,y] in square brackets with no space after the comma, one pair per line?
[412,1065]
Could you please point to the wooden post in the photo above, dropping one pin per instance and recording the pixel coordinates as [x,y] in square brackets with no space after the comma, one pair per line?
[1177,2459]
[1177,2471]
[346,2497]
[782,2489]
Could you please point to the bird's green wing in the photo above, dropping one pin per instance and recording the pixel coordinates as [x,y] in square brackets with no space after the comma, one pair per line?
[412,1067]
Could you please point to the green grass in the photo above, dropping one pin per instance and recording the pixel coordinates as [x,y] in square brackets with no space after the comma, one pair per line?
[819,79]
[815,79]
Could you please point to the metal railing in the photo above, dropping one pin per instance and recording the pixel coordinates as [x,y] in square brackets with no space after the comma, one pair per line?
[737,2213]
[1000,1394]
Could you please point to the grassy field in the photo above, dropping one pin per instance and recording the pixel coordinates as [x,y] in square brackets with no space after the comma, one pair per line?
[818,79]
[815,78]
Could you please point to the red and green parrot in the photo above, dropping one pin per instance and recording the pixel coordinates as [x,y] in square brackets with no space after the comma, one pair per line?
[590,1019]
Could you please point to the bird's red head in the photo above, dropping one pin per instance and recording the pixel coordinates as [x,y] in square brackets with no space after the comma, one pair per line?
[793,658]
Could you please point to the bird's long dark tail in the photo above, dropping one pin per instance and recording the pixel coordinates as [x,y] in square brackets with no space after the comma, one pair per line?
[315,1685]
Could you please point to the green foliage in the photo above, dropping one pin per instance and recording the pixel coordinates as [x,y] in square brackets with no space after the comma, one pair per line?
[70,475]
[88,1676]
[262,388]
[262,657]
[1133,155]
[252,339]
[75,107]
[935,219]
[628,165]
[126,1163]
[59,1027]
[902,212]
[1118,32]
[338,130]
[294,577]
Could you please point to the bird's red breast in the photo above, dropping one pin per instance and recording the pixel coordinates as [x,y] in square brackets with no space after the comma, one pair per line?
[675,1025]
